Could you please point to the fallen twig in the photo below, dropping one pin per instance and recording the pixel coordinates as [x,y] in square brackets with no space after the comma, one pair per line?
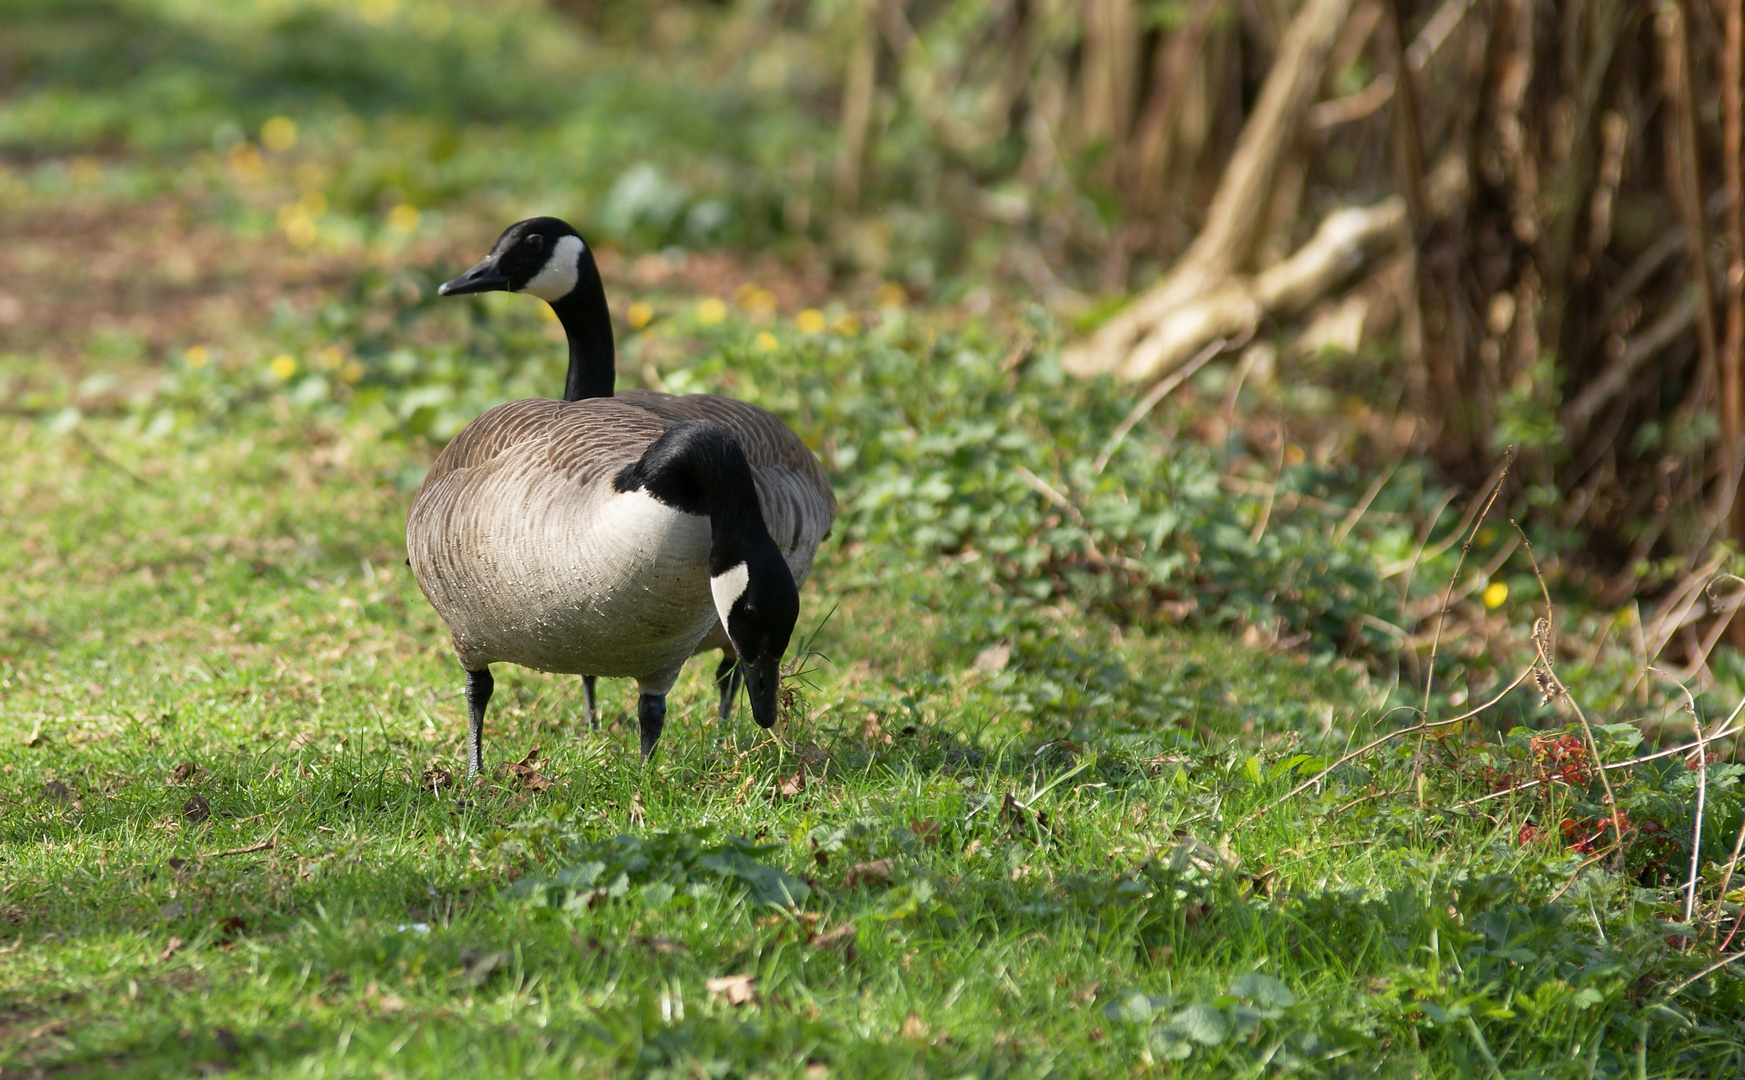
[1696,839]
[1502,475]
[1703,974]
[1163,389]
[1542,645]
[268,844]
[1278,472]
[1372,744]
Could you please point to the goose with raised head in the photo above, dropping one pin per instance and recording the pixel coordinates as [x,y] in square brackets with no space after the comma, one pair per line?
[613,535]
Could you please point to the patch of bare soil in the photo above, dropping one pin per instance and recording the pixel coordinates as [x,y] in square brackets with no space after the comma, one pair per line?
[97,283]
[153,272]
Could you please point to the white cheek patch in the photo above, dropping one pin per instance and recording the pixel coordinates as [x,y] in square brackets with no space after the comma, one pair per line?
[728,586]
[558,276]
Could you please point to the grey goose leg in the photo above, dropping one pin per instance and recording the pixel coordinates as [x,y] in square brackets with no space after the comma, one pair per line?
[651,714]
[588,696]
[727,680]
[479,687]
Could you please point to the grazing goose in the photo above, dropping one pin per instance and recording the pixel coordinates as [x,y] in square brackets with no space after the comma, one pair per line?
[613,535]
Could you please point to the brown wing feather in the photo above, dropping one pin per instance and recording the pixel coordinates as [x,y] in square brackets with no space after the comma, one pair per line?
[581,440]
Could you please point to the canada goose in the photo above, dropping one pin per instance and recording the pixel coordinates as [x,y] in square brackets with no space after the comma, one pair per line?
[527,540]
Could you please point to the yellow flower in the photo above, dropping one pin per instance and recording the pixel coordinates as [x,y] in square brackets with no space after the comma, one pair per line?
[711,311]
[330,357]
[639,315]
[351,373]
[1494,594]
[891,294]
[195,356]
[300,228]
[756,299]
[378,12]
[403,218]
[283,365]
[765,340]
[809,321]
[245,160]
[310,176]
[848,325]
[1294,455]
[279,133]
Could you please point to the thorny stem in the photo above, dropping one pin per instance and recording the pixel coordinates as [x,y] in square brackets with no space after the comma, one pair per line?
[1726,880]
[1703,974]
[1442,612]
[1696,838]
[1541,644]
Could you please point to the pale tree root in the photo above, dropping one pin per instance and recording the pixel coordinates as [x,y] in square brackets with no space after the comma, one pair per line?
[1346,242]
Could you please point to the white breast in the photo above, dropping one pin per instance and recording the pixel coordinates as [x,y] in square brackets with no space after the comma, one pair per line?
[535,573]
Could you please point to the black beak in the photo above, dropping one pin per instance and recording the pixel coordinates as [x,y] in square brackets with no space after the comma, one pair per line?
[481,278]
[763,681]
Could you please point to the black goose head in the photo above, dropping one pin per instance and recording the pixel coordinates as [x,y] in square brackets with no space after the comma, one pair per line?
[758,604]
[542,256]
[697,468]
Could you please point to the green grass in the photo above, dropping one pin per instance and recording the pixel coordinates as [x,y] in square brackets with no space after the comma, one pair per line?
[1043,704]
[224,616]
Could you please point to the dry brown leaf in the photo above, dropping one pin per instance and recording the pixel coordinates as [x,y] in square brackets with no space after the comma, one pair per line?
[57,792]
[737,989]
[842,937]
[926,830]
[196,810]
[875,872]
[527,772]
[792,785]
[170,949]
[436,778]
[992,659]
[666,946]
[915,1029]
[300,740]
[389,1002]
[637,815]
[184,772]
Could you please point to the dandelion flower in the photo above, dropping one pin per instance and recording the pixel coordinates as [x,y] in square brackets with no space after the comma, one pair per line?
[245,160]
[810,321]
[195,356]
[403,219]
[640,315]
[711,311]
[1494,595]
[283,365]
[765,340]
[891,294]
[279,134]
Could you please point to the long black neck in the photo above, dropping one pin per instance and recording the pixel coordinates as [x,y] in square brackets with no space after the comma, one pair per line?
[588,325]
[698,468]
